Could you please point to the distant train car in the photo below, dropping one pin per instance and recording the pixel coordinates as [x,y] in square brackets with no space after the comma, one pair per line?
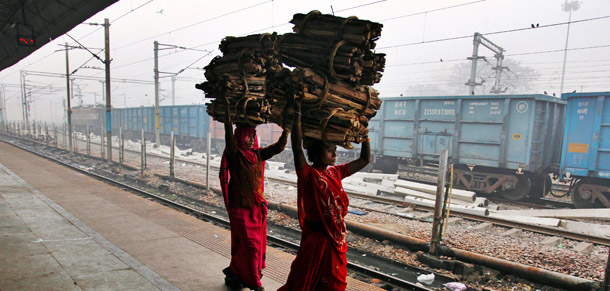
[498,143]
[87,117]
[189,123]
[586,148]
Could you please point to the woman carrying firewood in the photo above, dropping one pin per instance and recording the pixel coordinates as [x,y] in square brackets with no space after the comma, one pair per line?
[242,181]
[321,262]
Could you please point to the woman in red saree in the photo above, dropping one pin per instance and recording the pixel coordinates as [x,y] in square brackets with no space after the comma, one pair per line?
[242,182]
[321,262]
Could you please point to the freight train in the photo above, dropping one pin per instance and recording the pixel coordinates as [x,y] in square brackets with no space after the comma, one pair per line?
[190,125]
[505,144]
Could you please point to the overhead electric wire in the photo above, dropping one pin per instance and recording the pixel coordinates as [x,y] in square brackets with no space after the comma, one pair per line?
[235,11]
[492,33]
[197,23]
[116,19]
[46,56]
[508,55]
[558,50]
[363,5]
[389,19]
[432,10]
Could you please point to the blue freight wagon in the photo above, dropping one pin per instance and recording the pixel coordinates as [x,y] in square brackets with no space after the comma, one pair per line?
[497,143]
[586,148]
[189,123]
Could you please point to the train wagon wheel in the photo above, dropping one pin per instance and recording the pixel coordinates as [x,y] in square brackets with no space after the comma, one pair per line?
[583,197]
[387,165]
[521,190]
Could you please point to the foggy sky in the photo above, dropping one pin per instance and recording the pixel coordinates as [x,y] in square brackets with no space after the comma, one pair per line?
[415,38]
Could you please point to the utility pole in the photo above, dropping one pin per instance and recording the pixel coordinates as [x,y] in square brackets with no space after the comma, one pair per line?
[69,109]
[156,55]
[173,90]
[156,71]
[479,39]
[567,7]
[107,67]
[472,83]
[24,103]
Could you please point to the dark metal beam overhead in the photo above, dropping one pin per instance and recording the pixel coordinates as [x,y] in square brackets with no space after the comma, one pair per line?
[47,18]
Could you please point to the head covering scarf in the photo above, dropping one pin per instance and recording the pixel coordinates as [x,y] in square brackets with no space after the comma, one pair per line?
[241,135]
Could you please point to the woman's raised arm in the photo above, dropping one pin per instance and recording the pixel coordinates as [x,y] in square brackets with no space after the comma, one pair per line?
[297,139]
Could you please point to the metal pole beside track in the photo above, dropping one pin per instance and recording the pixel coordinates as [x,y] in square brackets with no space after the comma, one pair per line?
[68,108]
[435,239]
[207,163]
[102,153]
[121,146]
[172,155]
[156,71]
[88,141]
[142,152]
[108,89]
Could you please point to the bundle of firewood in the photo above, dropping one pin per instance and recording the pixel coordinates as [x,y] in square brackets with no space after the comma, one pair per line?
[339,46]
[333,61]
[334,64]
[332,111]
[239,75]
[363,33]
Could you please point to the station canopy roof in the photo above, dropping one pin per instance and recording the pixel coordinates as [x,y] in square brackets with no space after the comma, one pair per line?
[26,25]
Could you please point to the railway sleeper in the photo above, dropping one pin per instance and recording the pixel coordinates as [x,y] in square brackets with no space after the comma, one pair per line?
[453,266]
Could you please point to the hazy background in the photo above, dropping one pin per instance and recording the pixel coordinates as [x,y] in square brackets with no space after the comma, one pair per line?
[427,44]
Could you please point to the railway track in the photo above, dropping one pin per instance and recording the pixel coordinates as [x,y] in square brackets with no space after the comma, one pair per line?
[379,200]
[397,277]
[532,203]
[428,175]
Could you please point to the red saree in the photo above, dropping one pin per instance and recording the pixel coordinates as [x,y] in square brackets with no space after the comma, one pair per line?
[248,225]
[242,182]
[321,262]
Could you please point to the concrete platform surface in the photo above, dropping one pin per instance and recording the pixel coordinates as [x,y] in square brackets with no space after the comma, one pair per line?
[62,230]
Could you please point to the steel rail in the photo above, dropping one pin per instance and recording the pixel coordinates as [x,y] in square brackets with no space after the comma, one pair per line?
[496,221]
[392,280]
[526,226]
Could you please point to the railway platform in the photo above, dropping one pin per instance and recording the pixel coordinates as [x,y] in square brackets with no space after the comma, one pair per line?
[62,230]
